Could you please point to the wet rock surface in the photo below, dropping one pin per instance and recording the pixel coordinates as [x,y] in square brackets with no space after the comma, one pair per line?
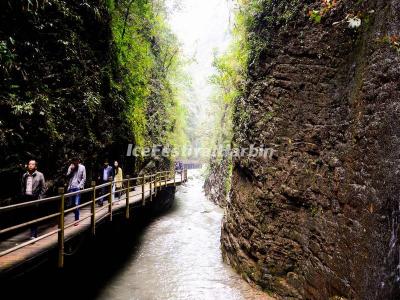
[217,183]
[318,220]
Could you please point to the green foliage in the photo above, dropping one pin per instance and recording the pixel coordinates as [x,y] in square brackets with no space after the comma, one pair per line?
[315,16]
[149,54]
[228,175]
[132,38]
[393,41]
[85,78]
[55,96]
[6,56]
[110,4]
[228,83]
[229,79]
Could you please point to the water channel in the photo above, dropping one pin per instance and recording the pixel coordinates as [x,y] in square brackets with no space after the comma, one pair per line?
[172,255]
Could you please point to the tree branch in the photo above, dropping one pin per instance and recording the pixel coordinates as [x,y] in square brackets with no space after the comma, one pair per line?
[126,18]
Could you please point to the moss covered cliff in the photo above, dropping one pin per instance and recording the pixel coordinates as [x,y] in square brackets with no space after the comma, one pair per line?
[83,78]
[320,219]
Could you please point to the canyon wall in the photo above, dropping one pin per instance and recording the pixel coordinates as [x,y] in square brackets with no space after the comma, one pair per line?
[320,219]
[56,96]
[82,78]
[217,182]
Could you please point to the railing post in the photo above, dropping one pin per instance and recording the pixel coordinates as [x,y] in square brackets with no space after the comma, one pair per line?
[61,230]
[155,183]
[174,178]
[127,199]
[151,187]
[93,217]
[166,178]
[182,176]
[143,185]
[110,198]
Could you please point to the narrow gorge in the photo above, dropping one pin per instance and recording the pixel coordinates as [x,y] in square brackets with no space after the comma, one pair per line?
[119,100]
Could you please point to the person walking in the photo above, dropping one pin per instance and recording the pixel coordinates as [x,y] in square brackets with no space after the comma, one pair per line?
[33,187]
[118,177]
[77,177]
[104,175]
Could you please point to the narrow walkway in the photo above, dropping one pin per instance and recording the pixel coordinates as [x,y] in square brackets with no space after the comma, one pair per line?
[17,257]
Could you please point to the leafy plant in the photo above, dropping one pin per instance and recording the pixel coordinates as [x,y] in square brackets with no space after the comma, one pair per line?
[393,41]
[6,56]
[317,14]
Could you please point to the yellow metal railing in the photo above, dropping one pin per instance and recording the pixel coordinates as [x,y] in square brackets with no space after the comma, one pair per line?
[154,182]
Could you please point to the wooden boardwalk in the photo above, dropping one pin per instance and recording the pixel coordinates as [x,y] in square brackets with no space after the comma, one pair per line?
[48,233]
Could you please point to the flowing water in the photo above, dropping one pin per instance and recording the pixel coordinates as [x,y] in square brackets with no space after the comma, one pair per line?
[179,256]
[173,255]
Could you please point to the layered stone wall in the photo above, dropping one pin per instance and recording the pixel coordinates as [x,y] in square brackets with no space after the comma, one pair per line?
[319,220]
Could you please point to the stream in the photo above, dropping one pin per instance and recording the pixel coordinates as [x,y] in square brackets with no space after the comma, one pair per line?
[179,256]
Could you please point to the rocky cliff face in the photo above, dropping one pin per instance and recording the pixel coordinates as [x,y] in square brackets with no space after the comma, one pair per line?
[320,219]
[218,182]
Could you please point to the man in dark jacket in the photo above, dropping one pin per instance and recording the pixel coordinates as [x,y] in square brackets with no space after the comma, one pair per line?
[105,173]
[33,187]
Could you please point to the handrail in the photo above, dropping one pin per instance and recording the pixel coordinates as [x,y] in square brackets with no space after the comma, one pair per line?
[102,185]
[148,182]
[28,203]
[83,191]
[29,223]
